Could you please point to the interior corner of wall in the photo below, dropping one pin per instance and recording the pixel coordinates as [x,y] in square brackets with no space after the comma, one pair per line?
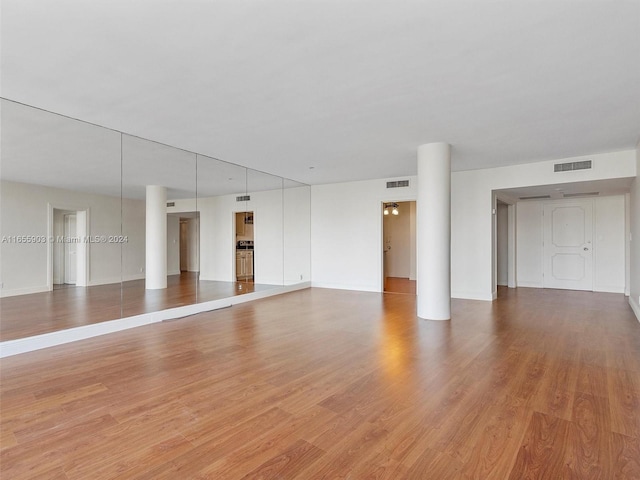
[635,306]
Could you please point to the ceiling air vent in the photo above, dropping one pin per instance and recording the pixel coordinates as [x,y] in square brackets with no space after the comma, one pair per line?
[535,197]
[398,183]
[243,198]
[567,167]
[587,194]
[171,204]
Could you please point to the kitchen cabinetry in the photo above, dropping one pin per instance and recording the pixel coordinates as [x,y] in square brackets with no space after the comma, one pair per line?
[244,264]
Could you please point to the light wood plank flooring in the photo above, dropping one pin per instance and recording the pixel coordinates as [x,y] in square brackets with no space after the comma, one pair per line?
[399,285]
[69,306]
[326,384]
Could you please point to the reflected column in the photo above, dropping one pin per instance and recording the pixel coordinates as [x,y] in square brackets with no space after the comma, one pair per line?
[156,238]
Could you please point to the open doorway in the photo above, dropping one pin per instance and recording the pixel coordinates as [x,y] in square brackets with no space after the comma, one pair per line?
[183,237]
[504,243]
[244,252]
[68,248]
[399,247]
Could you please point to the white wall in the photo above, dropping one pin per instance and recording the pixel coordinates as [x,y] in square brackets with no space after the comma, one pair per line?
[297,235]
[268,237]
[133,227]
[529,237]
[346,222]
[634,274]
[346,232]
[25,211]
[502,217]
[471,248]
[281,232]
[413,248]
[608,245]
[173,245]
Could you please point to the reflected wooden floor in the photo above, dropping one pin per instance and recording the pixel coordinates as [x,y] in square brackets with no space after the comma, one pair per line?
[324,384]
[399,285]
[69,306]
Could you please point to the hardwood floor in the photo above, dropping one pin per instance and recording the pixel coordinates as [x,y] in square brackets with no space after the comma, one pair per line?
[399,285]
[314,384]
[70,306]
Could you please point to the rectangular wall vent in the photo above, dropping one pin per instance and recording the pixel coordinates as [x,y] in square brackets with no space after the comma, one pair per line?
[567,167]
[535,197]
[171,204]
[243,198]
[398,183]
[587,194]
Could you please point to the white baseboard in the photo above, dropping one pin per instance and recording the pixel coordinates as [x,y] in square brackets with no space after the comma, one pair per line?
[338,286]
[105,281]
[609,289]
[46,340]
[529,284]
[635,306]
[23,291]
[473,296]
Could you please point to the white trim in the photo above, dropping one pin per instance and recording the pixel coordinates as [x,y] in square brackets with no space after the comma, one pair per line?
[530,284]
[472,296]
[37,342]
[338,286]
[24,291]
[609,289]
[635,306]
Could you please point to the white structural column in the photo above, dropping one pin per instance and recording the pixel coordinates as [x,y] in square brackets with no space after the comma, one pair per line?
[156,238]
[433,231]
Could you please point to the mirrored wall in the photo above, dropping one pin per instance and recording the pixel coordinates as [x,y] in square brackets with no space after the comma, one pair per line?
[75,232]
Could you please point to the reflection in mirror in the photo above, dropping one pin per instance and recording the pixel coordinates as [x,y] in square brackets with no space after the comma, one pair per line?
[297,232]
[60,222]
[226,247]
[97,225]
[160,261]
[264,207]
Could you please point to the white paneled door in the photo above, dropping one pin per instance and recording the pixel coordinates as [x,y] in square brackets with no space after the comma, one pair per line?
[568,246]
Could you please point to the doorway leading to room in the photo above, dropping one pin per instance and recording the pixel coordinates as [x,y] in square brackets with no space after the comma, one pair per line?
[68,248]
[183,244]
[571,236]
[399,247]
[244,249]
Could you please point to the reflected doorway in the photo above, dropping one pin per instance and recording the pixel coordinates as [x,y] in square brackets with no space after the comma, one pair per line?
[183,254]
[399,247]
[189,258]
[244,255]
[68,248]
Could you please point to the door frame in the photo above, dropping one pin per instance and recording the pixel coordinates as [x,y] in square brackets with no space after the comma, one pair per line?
[511,242]
[235,240]
[83,254]
[66,219]
[380,207]
[545,260]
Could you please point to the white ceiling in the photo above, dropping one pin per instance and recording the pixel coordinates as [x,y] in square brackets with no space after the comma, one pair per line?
[350,87]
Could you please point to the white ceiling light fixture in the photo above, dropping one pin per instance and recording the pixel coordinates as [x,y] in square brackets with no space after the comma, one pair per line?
[393,207]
